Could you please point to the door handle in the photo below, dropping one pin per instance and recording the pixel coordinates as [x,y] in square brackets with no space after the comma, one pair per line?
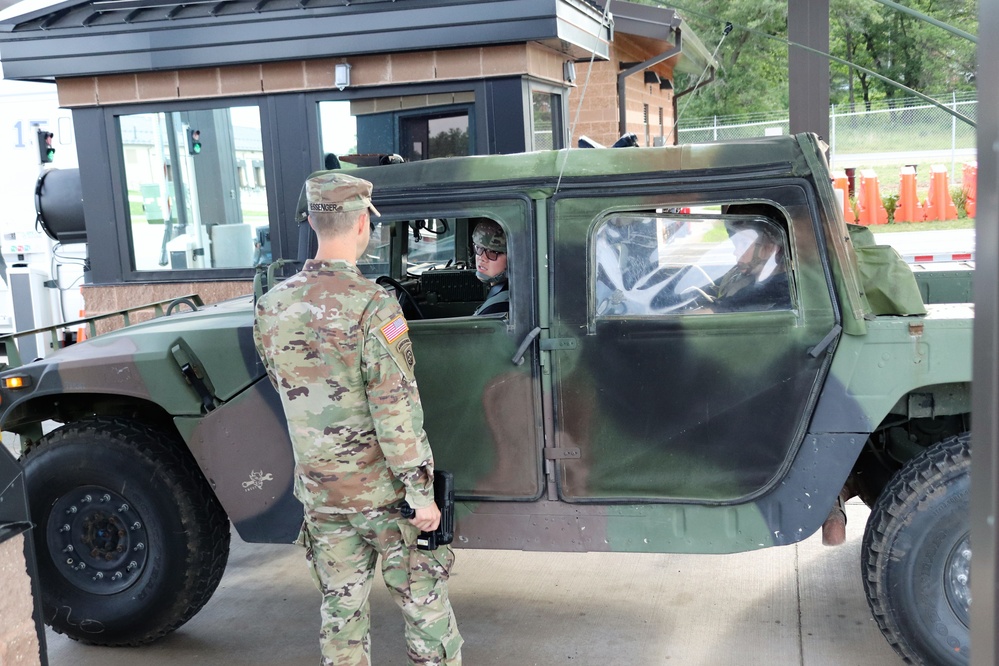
[518,358]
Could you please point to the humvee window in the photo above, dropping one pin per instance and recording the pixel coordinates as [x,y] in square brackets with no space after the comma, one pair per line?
[660,265]
[429,263]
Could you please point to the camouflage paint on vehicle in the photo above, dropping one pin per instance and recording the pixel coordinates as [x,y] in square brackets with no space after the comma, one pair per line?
[711,433]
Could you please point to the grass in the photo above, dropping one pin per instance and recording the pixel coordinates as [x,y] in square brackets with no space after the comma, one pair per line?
[938,225]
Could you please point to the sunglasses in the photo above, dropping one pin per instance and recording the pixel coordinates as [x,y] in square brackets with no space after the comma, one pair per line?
[491,255]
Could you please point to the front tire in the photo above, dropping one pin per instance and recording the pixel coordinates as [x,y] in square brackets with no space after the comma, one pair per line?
[916,556]
[131,541]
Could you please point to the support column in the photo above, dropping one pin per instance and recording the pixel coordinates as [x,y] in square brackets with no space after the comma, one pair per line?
[808,73]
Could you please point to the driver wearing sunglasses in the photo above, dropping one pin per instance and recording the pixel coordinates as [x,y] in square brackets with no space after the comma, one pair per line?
[489,245]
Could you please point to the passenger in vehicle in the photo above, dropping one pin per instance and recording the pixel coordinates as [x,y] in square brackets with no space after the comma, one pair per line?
[758,281]
[489,244]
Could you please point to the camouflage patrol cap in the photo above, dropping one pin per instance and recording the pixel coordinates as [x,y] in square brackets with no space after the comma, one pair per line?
[490,235]
[337,192]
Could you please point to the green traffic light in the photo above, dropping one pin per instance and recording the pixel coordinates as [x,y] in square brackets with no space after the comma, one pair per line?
[50,153]
[194,141]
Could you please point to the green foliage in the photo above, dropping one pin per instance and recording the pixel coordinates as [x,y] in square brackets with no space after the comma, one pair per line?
[901,47]
[753,75]
[890,202]
[960,197]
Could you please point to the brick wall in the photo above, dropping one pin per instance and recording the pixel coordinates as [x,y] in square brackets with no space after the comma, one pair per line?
[295,75]
[599,118]
[100,299]
[18,640]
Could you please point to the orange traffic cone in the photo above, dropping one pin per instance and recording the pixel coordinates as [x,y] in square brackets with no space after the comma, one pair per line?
[842,188]
[908,209]
[969,184]
[872,210]
[939,205]
[81,332]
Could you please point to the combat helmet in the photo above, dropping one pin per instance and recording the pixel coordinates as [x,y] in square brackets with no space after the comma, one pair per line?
[490,235]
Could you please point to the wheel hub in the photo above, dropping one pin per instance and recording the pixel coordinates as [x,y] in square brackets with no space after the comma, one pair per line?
[97,540]
[958,579]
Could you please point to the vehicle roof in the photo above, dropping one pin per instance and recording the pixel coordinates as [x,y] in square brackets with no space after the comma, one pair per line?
[546,168]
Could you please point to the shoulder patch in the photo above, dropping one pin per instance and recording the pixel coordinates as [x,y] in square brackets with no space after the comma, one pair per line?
[405,350]
[395,329]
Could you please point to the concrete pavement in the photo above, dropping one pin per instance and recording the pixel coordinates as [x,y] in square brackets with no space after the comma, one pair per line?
[800,604]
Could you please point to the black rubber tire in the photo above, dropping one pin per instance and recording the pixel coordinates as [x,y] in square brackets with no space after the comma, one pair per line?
[183,532]
[916,552]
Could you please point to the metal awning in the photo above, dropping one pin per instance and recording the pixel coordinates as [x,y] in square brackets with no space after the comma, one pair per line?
[659,23]
[123,36]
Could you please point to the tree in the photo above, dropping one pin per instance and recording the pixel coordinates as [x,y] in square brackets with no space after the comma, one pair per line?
[753,72]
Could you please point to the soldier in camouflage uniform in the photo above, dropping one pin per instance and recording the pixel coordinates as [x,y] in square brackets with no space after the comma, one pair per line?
[336,347]
[489,245]
[758,281]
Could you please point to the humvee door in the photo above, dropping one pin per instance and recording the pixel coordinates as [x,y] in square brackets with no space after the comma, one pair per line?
[482,411]
[697,318]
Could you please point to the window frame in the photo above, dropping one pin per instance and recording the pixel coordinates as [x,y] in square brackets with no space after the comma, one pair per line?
[119,188]
[560,135]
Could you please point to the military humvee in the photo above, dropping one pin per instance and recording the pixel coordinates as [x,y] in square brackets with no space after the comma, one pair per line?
[625,403]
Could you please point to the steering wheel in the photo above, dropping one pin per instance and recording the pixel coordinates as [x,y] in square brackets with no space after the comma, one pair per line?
[402,294]
[699,298]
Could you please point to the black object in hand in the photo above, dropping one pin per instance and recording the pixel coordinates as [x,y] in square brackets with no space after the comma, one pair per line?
[444,498]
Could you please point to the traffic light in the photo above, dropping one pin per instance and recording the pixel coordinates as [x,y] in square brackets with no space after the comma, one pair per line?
[194,141]
[45,150]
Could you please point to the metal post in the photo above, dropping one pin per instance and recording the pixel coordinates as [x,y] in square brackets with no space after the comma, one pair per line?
[953,139]
[808,72]
[985,390]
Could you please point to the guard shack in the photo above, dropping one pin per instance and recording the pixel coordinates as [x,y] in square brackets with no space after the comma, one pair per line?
[196,123]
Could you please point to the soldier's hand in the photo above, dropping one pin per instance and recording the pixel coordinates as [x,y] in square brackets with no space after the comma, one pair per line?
[427,519]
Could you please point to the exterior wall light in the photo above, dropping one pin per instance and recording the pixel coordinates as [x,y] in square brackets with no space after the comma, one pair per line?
[569,71]
[341,75]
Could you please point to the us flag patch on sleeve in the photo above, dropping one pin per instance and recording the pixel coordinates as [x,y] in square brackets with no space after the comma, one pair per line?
[393,330]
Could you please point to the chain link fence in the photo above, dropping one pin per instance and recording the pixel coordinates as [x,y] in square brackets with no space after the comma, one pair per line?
[906,131]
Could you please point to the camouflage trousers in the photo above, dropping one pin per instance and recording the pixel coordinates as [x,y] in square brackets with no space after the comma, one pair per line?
[342,550]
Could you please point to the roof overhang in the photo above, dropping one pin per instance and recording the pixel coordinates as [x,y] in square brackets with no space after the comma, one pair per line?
[660,23]
[124,36]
